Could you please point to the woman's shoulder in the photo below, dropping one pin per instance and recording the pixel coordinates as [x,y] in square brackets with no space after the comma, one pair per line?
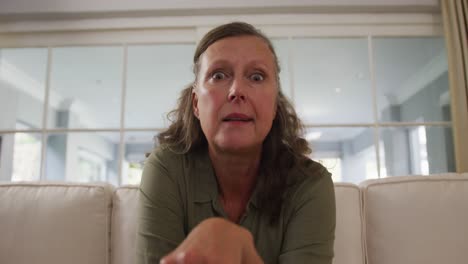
[165,156]
[173,159]
[163,167]
[162,164]
[309,178]
[308,170]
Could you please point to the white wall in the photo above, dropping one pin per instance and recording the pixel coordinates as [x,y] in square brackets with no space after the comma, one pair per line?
[90,142]
[8,100]
[86,6]
[355,167]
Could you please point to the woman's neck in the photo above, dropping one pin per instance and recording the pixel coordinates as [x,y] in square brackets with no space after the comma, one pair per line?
[237,173]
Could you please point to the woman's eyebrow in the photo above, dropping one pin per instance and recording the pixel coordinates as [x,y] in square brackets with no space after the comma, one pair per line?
[218,62]
[258,64]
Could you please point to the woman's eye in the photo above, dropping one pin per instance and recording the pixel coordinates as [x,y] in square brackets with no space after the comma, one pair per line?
[218,76]
[257,77]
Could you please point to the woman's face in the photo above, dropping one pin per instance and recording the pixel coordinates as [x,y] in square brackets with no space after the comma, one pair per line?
[235,93]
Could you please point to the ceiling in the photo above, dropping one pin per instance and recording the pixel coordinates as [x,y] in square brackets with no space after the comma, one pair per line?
[52,9]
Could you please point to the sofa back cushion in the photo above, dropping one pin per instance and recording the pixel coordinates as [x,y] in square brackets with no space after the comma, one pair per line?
[124,225]
[45,223]
[417,219]
[349,238]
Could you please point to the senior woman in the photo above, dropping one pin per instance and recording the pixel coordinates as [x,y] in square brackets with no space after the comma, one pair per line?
[231,181]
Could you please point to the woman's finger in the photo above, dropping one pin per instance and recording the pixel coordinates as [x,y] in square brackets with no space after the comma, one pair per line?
[184,257]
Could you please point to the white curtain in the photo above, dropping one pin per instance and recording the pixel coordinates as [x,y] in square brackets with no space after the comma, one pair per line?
[455,19]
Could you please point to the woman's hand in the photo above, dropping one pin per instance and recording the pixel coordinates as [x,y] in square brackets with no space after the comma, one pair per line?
[215,240]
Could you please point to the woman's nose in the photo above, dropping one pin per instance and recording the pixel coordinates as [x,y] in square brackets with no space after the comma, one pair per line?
[237,90]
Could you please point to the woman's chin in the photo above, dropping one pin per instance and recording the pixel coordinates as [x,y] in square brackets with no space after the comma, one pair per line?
[237,146]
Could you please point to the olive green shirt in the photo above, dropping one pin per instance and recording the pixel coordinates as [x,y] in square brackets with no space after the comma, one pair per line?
[178,191]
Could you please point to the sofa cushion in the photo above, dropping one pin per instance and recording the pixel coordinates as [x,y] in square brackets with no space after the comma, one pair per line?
[349,238]
[417,219]
[46,223]
[124,216]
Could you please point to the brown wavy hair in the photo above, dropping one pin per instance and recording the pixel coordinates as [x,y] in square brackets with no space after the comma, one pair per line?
[283,147]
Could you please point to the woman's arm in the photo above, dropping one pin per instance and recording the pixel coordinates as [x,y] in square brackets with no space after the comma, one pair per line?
[161,214]
[310,230]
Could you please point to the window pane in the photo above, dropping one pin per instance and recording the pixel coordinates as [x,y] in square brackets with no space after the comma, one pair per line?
[412,80]
[282,51]
[20,156]
[86,87]
[331,78]
[417,150]
[83,157]
[22,87]
[348,153]
[137,145]
[156,76]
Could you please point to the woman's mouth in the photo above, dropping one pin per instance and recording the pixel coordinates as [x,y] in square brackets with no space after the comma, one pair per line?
[237,117]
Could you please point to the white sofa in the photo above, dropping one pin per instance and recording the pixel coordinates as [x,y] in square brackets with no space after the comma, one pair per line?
[414,219]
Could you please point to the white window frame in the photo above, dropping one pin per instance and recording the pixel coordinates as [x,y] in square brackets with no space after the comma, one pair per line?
[189,29]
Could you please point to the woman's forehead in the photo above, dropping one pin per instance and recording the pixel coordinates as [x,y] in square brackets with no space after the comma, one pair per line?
[247,48]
